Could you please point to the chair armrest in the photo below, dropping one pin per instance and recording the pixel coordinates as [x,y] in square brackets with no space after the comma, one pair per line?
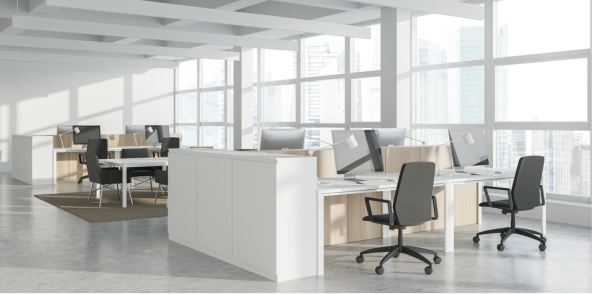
[82,158]
[435,207]
[542,195]
[390,209]
[499,188]
[154,153]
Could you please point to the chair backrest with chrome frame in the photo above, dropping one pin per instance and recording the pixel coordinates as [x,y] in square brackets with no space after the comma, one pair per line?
[169,143]
[94,168]
[527,182]
[100,147]
[413,198]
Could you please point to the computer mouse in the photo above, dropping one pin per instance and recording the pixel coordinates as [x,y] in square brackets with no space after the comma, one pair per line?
[498,172]
[392,180]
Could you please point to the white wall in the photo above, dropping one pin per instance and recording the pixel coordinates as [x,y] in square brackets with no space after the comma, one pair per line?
[34,102]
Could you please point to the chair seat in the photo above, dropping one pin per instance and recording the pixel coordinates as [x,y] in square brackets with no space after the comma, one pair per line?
[162,177]
[384,219]
[497,204]
[113,177]
[142,173]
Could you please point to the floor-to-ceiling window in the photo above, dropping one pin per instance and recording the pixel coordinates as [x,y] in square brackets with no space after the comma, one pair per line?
[538,99]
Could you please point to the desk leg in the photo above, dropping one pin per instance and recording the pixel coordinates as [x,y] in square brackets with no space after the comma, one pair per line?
[117,154]
[544,220]
[479,200]
[55,164]
[320,235]
[449,217]
[386,232]
[124,187]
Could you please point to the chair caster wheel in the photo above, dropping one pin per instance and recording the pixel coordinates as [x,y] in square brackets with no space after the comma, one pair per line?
[542,247]
[360,259]
[395,256]
[379,270]
[476,239]
[544,239]
[501,247]
[437,260]
[502,235]
[428,270]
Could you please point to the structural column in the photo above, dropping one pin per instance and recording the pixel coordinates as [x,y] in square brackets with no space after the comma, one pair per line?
[243,100]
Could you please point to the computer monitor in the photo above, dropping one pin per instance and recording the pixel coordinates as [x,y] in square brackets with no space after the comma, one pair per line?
[134,129]
[365,158]
[282,139]
[86,133]
[391,137]
[468,155]
[65,128]
[159,132]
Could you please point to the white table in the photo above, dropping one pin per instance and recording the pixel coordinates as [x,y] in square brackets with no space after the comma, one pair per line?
[125,163]
[339,186]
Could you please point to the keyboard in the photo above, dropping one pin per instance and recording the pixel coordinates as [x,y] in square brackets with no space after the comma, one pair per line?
[375,182]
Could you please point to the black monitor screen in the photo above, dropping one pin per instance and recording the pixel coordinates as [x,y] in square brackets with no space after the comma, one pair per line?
[364,158]
[86,133]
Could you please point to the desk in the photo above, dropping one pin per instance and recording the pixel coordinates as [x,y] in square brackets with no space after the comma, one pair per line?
[125,163]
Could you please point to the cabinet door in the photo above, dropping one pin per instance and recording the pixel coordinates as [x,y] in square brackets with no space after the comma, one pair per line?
[183,197]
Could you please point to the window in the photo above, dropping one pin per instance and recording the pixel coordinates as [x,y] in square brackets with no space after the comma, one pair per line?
[212,73]
[544,91]
[324,55]
[212,106]
[187,75]
[278,65]
[450,96]
[188,107]
[214,136]
[524,26]
[429,136]
[279,103]
[323,134]
[324,101]
[366,99]
[366,52]
[189,135]
[445,39]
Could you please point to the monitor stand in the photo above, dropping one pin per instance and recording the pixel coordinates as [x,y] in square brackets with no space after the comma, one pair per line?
[461,169]
[350,177]
[155,145]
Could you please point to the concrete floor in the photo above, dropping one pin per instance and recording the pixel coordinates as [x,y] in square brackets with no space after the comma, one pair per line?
[45,249]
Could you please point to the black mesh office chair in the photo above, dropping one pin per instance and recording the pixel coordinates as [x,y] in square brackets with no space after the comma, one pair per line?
[104,177]
[139,171]
[99,147]
[412,206]
[524,195]
[167,143]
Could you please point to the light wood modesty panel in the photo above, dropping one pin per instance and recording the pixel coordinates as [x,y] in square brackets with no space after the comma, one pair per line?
[68,166]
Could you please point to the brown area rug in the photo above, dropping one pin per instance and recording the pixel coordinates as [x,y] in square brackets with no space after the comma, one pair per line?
[110,210]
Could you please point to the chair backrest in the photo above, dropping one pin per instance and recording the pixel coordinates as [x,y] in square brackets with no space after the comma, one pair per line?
[99,147]
[135,153]
[169,143]
[93,167]
[413,198]
[525,190]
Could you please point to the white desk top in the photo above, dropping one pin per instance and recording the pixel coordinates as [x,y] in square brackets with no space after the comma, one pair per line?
[136,162]
[110,148]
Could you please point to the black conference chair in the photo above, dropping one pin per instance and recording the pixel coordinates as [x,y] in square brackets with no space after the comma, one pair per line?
[411,207]
[139,171]
[167,143]
[104,178]
[524,195]
[99,147]
[161,177]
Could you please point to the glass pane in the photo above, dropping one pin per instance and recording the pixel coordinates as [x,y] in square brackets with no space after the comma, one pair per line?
[545,91]
[188,108]
[366,99]
[255,63]
[323,134]
[212,73]
[324,55]
[255,98]
[429,136]
[278,65]
[367,52]
[212,106]
[324,101]
[450,96]
[231,106]
[213,136]
[279,103]
[231,73]
[189,135]
[443,39]
[541,26]
[255,138]
[567,157]
[188,75]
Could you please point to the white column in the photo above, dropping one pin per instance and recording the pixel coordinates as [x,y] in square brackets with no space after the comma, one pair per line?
[490,53]
[243,100]
[449,217]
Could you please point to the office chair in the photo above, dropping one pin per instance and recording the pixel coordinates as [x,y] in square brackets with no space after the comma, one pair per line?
[167,143]
[104,178]
[100,147]
[139,171]
[524,195]
[411,207]
[161,177]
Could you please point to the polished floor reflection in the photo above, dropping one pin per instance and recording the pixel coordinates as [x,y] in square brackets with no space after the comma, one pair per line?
[45,249]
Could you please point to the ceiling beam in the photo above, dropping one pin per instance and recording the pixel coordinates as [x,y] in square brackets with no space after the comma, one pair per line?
[331,4]
[222,5]
[81,59]
[6,27]
[40,6]
[93,28]
[164,10]
[64,44]
[445,7]
[36,66]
